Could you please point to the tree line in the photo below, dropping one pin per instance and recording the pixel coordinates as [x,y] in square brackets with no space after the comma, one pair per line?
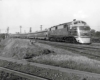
[95,33]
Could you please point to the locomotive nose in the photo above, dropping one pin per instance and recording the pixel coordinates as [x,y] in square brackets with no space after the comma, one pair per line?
[83,40]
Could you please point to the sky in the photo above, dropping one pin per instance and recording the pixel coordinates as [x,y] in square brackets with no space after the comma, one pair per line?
[33,13]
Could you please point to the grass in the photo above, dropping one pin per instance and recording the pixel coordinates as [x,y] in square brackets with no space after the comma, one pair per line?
[67,61]
[9,76]
[44,72]
[29,52]
[19,49]
[35,53]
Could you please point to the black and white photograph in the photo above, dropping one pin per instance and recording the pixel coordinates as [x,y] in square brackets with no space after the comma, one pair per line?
[49,39]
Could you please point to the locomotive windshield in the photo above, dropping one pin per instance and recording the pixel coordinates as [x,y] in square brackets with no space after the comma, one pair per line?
[84,34]
[84,28]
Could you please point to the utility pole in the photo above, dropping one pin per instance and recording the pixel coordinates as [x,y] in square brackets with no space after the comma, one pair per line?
[30,30]
[41,27]
[8,30]
[20,29]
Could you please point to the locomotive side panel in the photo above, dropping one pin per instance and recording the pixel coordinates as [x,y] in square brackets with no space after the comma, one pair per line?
[59,31]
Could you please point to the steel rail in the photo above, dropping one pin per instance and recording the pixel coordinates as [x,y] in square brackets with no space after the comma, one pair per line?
[73,47]
[24,75]
[85,47]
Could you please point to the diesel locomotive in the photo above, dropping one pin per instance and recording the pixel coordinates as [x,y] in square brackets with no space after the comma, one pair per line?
[74,31]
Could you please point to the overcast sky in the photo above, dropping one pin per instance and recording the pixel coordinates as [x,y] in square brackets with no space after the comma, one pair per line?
[33,13]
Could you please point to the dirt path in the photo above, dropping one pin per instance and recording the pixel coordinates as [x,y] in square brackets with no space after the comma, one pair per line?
[8,47]
[13,45]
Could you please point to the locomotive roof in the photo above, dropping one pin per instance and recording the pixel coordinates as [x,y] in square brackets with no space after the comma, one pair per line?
[61,24]
[69,23]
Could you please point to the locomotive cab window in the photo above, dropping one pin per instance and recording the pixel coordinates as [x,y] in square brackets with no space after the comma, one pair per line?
[65,25]
[83,22]
[75,22]
[84,28]
[74,28]
[60,27]
[55,27]
[50,29]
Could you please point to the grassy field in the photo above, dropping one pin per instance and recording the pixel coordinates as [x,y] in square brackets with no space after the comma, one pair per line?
[9,76]
[19,49]
[23,49]
[68,61]
[45,72]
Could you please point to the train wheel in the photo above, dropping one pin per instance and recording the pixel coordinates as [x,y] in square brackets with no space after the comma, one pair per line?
[73,40]
[66,40]
[70,40]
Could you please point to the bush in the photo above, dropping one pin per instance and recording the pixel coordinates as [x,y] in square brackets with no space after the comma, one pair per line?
[39,52]
[96,39]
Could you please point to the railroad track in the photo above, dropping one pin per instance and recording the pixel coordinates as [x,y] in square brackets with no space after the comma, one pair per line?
[23,75]
[76,46]
[86,50]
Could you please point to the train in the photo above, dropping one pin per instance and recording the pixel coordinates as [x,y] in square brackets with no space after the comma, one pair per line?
[76,31]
